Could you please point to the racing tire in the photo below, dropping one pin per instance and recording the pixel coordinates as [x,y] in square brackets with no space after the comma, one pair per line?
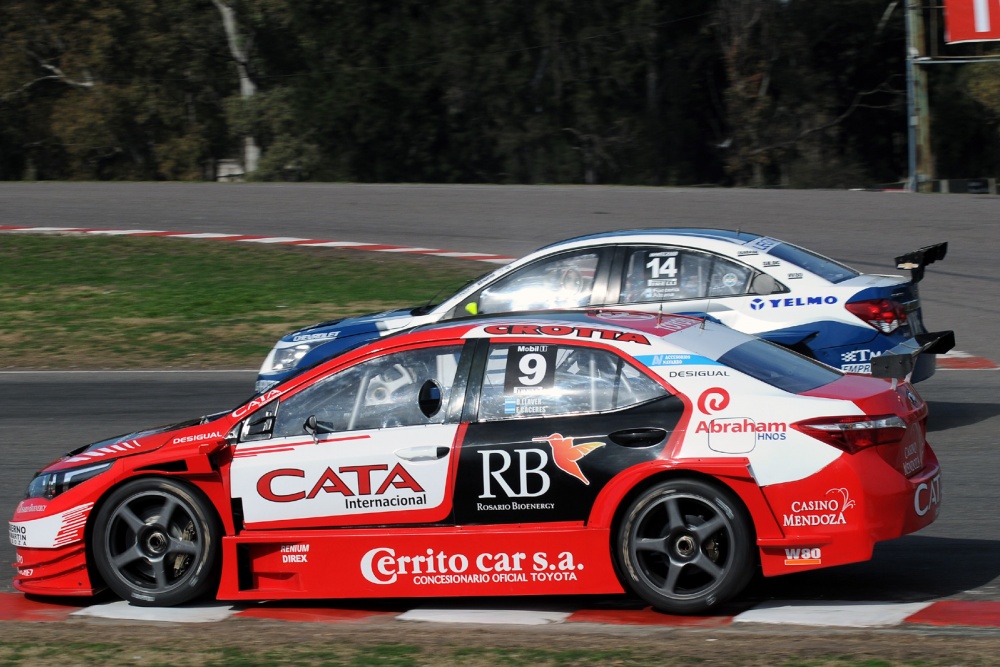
[685,546]
[155,542]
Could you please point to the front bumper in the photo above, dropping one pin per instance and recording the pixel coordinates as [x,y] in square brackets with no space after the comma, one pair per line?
[51,551]
[54,572]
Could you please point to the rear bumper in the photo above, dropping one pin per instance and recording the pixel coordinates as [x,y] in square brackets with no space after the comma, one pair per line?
[838,516]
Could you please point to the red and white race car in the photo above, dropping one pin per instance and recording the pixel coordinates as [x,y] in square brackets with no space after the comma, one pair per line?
[552,453]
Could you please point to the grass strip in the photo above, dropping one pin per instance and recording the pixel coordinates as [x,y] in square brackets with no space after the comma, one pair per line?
[90,302]
[341,654]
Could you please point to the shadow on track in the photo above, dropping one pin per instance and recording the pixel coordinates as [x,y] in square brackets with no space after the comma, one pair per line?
[946,415]
[910,569]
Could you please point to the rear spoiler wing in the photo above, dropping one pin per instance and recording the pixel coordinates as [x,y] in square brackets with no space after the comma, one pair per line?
[898,362]
[916,261]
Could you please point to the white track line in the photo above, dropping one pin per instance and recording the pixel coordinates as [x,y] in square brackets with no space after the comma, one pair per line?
[833,614]
[123,611]
[484,616]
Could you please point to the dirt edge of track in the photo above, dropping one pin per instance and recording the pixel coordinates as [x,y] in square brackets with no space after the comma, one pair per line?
[434,644]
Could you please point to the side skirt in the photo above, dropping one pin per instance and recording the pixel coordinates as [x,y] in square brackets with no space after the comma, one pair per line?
[418,562]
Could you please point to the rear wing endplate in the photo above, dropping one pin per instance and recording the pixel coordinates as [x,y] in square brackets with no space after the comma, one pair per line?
[898,362]
[916,261]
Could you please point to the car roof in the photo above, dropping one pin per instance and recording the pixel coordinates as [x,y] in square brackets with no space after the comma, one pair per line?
[629,331]
[724,241]
[733,236]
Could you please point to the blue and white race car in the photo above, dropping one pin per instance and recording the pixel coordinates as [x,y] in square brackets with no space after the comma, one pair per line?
[755,284]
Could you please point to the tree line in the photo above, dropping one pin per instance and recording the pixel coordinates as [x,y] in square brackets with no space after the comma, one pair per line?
[789,93]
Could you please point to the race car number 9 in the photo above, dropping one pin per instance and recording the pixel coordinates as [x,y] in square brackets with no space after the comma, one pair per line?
[530,366]
[533,366]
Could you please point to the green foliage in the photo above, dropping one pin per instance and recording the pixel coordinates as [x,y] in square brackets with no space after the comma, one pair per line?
[115,89]
[984,86]
[747,92]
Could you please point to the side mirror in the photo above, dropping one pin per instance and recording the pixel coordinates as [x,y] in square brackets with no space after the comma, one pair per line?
[429,398]
[311,426]
[764,284]
[472,308]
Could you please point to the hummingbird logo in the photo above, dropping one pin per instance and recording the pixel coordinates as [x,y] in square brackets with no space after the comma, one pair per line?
[565,454]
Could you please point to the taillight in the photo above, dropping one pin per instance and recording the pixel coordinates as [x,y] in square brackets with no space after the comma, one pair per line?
[853,434]
[885,315]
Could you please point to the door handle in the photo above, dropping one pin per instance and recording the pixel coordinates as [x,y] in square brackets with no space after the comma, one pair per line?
[425,453]
[638,437]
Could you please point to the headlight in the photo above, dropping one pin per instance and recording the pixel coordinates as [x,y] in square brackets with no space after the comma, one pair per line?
[51,484]
[284,359]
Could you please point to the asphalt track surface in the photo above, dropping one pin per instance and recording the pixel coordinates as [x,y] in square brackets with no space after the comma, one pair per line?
[42,415]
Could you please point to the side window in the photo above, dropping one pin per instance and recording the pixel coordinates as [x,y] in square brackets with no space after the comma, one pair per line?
[562,281]
[672,274]
[399,389]
[550,380]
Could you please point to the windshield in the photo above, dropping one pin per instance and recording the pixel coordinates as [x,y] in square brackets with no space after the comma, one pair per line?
[435,301]
[565,280]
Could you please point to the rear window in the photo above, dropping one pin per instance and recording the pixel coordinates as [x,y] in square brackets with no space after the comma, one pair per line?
[824,267]
[779,366]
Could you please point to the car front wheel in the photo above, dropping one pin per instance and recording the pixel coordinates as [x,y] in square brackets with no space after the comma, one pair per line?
[156,542]
[685,546]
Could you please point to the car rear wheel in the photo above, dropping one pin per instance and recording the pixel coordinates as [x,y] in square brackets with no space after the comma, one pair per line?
[685,546]
[156,542]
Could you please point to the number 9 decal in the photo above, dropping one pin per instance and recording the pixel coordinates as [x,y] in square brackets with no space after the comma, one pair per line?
[530,367]
[533,366]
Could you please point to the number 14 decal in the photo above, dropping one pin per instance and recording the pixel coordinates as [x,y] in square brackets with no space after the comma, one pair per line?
[662,266]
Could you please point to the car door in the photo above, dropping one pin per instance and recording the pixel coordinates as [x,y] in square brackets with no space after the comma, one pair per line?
[372,443]
[550,425]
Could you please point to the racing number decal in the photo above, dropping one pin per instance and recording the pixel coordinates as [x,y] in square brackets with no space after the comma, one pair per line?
[662,266]
[660,281]
[535,366]
[529,376]
[529,368]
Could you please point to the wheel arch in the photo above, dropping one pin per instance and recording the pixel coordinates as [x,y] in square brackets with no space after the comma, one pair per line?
[732,474]
[737,495]
[207,488]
